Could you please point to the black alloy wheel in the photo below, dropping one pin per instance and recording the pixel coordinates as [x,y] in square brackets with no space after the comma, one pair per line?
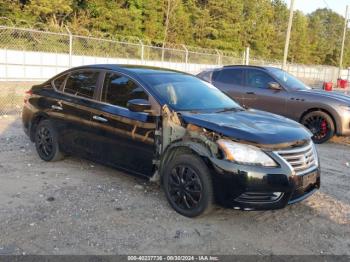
[188,186]
[321,126]
[46,142]
[185,187]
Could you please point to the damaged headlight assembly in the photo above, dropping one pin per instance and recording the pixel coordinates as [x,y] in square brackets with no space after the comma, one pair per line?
[245,154]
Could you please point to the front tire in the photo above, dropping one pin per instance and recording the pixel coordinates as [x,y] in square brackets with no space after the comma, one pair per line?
[188,186]
[46,142]
[321,126]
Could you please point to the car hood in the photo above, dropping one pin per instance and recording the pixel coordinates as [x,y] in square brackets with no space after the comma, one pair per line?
[250,125]
[338,96]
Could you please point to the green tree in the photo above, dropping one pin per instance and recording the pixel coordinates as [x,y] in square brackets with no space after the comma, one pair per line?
[228,25]
[325,32]
[53,13]
[280,21]
[299,43]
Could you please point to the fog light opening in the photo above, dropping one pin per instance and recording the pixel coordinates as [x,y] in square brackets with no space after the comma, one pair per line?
[259,197]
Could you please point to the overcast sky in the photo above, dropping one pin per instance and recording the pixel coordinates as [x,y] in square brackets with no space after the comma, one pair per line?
[308,6]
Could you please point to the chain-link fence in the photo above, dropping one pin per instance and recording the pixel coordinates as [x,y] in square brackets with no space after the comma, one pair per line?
[28,55]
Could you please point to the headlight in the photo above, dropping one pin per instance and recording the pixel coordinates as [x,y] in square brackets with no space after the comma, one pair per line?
[315,153]
[245,154]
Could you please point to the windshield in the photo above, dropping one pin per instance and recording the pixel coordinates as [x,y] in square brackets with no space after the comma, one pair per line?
[188,93]
[288,80]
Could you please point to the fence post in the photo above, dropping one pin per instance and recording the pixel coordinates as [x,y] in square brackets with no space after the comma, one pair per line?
[142,49]
[247,56]
[243,58]
[325,71]
[6,65]
[297,74]
[70,46]
[24,63]
[186,55]
[163,51]
[219,56]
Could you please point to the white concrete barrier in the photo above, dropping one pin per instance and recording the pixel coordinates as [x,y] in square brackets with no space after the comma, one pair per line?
[37,66]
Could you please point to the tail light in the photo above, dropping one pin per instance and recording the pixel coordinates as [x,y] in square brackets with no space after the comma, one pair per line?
[27,95]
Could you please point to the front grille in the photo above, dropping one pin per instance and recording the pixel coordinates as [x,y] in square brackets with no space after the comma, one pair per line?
[301,159]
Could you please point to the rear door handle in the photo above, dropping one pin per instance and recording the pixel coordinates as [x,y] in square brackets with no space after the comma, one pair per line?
[250,93]
[100,119]
[57,108]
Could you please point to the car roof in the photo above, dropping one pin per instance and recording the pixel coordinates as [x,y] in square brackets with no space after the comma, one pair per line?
[134,71]
[130,69]
[266,68]
[250,66]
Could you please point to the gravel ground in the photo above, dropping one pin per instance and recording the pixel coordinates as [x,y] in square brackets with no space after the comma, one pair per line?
[78,207]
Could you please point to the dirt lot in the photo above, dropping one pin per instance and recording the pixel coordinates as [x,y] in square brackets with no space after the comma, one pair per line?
[78,207]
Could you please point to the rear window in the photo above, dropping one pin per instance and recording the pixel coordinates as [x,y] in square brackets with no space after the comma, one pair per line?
[82,83]
[209,75]
[206,76]
[231,76]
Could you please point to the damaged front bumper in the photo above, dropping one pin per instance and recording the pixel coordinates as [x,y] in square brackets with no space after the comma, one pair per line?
[261,188]
[243,186]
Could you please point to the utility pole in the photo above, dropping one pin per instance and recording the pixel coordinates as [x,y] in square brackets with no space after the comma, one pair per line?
[286,46]
[70,46]
[247,55]
[343,41]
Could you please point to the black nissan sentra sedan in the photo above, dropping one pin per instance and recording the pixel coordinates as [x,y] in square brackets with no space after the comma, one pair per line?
[174,128]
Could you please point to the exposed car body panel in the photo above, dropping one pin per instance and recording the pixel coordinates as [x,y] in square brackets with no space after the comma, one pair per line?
[250,125]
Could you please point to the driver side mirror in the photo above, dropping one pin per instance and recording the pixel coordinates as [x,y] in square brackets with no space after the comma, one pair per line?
[274,86]
[138,105]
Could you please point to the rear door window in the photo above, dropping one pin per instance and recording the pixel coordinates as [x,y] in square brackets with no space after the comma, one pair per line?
[82,83]
[119,89]
[258,79]
[59,82]
[232,76]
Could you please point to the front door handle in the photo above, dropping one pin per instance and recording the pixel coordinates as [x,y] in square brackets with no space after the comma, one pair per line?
[100,119]
[250,93]
[57,108]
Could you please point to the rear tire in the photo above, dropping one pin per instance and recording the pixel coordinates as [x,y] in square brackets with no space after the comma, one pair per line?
[320,124]
[46,142]
[188,186]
